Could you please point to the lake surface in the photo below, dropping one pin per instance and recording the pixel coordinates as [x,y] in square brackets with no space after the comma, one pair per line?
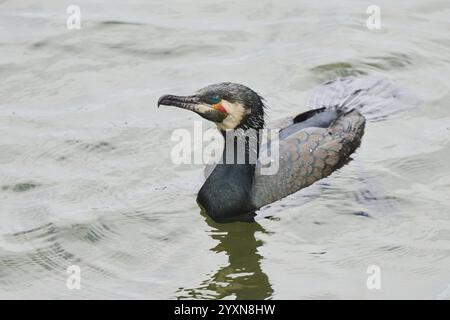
[86,176]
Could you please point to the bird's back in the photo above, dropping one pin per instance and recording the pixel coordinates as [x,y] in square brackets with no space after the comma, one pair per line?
[314,144]
[306,156]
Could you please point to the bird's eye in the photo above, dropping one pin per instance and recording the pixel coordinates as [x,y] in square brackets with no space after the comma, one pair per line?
[214,99]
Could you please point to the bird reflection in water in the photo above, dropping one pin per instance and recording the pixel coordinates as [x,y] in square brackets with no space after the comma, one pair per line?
[242,277]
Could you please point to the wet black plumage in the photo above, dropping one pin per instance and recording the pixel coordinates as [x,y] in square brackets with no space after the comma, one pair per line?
[312,144]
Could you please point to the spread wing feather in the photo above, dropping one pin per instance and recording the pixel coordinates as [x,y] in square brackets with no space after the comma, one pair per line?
[307,156]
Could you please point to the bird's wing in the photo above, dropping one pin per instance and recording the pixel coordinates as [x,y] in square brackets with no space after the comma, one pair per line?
[282,123]
[305,157]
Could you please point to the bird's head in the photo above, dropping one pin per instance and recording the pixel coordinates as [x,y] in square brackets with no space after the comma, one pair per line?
[228,105]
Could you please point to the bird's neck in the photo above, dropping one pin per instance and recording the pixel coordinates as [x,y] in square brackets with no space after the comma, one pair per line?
[244,140]
[226,192]
[239,156]
[241,147]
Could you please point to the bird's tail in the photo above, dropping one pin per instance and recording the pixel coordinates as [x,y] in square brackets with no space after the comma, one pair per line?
[376,98]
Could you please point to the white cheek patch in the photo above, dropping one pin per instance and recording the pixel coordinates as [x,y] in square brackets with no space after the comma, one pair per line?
[236,113]
[202,108]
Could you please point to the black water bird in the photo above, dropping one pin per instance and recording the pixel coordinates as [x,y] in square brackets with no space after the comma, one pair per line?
[312,144]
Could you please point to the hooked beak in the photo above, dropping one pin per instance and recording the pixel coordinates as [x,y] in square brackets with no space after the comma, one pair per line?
[195,104]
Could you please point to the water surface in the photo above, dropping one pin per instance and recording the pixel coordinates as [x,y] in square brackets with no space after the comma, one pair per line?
[86,176]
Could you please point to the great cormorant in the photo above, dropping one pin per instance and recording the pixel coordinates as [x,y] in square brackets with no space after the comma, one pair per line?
[312,144]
